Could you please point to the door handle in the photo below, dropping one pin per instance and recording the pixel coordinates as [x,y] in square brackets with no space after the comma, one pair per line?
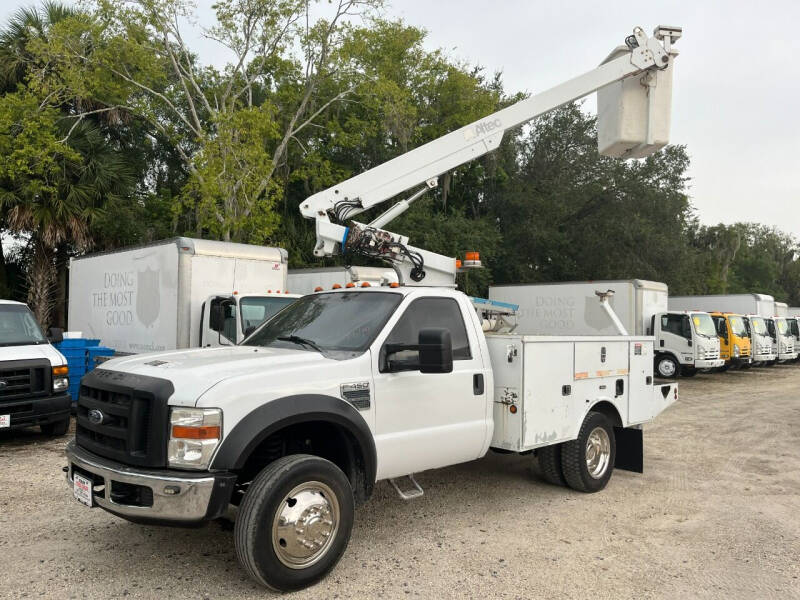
[477,384]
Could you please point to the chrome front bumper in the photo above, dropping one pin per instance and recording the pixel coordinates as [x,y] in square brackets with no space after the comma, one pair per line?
[711,363]
[178,497]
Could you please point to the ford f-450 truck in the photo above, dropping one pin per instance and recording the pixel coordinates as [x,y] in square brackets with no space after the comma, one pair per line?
[345,388]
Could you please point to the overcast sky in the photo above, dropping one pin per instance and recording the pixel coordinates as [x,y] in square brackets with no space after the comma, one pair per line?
[736,89]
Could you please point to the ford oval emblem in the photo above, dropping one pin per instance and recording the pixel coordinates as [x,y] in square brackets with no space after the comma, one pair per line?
[95,416]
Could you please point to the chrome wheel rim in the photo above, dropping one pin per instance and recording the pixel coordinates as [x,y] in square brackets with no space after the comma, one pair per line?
[598,452]
[305,525]
[667,368]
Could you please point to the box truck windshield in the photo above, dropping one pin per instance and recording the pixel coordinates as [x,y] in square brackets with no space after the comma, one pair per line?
[704,325]
[737,327]
[18,327]
[758,325]
[783,327]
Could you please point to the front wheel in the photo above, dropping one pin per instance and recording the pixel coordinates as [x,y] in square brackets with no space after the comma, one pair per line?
[294,522]
[666,366]
[588,461]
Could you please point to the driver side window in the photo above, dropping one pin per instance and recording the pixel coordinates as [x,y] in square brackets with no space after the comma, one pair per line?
[426,313]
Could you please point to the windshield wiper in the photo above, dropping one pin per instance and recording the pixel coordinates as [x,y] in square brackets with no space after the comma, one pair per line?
[296,339]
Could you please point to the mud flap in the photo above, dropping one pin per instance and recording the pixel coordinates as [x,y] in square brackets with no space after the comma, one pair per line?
[630,449]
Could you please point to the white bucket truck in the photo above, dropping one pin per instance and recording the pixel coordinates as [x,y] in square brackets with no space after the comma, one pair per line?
[685,340]
[756,310]
[178,293]
[348,387]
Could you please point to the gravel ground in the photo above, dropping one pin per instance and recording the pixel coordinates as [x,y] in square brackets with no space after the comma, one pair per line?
[715,515]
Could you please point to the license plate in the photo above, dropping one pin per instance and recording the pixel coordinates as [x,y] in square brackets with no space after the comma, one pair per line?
[5,421]
[82,489]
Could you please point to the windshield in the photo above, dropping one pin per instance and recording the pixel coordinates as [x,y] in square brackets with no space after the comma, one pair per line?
[18,327]
[737,326]
[758,325]
[257,309]
[783,327]
[704,325]
[332,323]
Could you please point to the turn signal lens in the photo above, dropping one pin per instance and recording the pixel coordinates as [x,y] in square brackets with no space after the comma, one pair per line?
[195,433]
[60,371]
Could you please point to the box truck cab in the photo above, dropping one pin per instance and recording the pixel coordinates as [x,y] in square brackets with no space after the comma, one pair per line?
[34,377]
[685,341]
[782,339]
[175,294]
[734,341]
[760,340]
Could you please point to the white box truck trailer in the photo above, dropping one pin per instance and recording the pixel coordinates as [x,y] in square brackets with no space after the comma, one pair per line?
[685,341]
[177,293]
[757,309]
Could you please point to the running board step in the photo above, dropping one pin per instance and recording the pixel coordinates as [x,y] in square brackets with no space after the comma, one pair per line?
[415,490]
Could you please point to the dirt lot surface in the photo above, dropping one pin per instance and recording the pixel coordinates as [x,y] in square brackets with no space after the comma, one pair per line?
[715,515]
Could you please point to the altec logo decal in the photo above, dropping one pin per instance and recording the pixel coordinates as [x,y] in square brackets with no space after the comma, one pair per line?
[483,128]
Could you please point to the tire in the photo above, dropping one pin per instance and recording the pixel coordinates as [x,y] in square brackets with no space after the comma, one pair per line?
[261,547]
[666,366]
[550,464]
[723,368]
[745,365]
[770,363]
[688,371]
[57,428]
[575,455]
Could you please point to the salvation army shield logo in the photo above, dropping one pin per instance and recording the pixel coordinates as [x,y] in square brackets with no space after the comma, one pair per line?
[147,296]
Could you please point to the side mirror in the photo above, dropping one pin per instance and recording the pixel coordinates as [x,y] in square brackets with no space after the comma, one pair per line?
[435,351]
[55,335]
[216,318]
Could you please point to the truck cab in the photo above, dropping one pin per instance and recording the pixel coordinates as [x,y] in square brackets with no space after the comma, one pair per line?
[34,377]
[794,329]
[685,342]
[733,339]
[782,339]
[760,340]
[227,320]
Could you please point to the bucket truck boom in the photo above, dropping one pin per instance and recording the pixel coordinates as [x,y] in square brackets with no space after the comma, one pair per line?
[634,96]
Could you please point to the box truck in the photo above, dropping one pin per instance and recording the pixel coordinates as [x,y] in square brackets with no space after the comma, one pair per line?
[177,293]
[306,281]
[685,341]
[755,308]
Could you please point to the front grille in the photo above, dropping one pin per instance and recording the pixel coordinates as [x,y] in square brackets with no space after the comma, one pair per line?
[124,418]
[23,379]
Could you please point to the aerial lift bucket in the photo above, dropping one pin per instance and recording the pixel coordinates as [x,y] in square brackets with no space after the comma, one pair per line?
[633,115]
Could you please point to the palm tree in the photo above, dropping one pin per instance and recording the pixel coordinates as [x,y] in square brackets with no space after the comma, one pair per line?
[57,221]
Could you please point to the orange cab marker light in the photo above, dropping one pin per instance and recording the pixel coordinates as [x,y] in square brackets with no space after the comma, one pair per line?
[269,291]
[318,288]
[336,286]
[235,293]
[365,284]
[62,370]
[512,409]
[350,284]
[195,433]
[394,284]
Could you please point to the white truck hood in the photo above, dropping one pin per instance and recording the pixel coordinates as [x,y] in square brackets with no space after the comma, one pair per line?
[33,351]
[194,372]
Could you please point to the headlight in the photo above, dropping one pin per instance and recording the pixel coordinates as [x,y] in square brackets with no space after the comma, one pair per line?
[194,434]
[60,379]
[736,350]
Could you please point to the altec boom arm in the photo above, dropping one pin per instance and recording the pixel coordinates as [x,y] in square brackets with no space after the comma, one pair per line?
[424,164]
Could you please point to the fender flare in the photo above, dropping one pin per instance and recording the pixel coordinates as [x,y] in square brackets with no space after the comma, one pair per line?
[249,432]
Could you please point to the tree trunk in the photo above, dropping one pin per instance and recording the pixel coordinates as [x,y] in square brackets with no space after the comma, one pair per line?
[40,278]
[5,292]
[60,309]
